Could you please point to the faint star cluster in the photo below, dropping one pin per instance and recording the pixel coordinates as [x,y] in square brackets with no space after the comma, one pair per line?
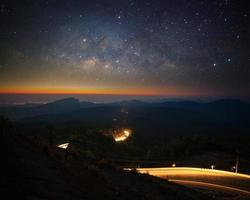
[198,46]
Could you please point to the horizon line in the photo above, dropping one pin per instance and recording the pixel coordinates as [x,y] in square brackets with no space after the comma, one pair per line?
[115,92]
[126,92]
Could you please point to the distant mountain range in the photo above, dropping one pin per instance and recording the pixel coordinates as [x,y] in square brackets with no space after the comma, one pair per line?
[226,115]
[30,110]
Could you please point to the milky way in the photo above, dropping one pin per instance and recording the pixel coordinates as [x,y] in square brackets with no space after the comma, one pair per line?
[138,47]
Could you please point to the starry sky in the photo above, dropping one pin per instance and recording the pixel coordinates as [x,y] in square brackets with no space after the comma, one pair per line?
[137,47]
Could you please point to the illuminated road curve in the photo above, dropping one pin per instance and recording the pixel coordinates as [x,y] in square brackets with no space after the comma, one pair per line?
[212,186]
[203,178]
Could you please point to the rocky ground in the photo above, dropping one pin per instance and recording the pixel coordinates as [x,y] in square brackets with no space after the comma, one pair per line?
[31,170]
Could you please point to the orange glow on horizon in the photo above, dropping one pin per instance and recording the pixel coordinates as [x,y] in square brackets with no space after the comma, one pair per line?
[127,91]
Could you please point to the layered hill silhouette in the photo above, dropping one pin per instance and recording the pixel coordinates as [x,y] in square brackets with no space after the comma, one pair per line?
[30,110]
[175,117]
[33,163]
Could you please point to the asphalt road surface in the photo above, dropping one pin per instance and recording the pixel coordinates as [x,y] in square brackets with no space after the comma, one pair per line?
[205,179]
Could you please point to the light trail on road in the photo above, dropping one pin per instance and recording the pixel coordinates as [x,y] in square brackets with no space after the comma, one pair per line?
[189,170]
[209,185]
[202,178]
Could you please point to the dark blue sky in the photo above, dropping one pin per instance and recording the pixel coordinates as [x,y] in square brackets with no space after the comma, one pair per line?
[180,48]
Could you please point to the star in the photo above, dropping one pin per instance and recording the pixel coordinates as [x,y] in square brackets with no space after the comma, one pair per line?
[147,40]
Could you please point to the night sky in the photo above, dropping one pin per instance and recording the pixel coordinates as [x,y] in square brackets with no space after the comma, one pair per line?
[171,47]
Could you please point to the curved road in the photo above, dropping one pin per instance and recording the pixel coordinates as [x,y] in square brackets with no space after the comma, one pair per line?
[210,179]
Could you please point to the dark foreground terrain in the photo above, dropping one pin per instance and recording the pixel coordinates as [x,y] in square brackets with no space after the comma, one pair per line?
[31,170]
[185,133]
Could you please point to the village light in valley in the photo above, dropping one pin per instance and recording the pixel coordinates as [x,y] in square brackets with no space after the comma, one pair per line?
[122,136]
[63,146]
